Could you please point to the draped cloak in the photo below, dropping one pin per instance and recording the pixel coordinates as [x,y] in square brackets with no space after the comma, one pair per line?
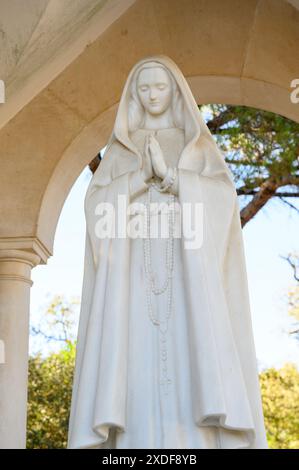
[225,386]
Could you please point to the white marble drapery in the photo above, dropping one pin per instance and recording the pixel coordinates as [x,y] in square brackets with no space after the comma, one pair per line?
[223,374]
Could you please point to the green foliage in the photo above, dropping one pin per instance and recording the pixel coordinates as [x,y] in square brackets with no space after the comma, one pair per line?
[280,395]
[257,145]
[49,398]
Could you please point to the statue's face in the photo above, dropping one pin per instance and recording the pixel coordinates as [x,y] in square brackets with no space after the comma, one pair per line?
[154,90]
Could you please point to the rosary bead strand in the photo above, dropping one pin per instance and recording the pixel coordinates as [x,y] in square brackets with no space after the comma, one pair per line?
[167,286]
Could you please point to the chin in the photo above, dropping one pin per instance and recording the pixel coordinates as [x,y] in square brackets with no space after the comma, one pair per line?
[155,110]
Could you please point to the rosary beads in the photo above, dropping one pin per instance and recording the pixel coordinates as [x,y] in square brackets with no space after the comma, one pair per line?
[167,286]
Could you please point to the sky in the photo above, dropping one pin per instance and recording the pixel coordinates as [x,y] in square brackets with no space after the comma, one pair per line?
[271,234]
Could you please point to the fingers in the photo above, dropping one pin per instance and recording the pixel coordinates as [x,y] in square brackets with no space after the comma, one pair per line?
[151,144]
[146,147]
[151,148]
[148,159]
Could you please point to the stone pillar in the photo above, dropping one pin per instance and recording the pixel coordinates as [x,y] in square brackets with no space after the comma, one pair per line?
[15,283]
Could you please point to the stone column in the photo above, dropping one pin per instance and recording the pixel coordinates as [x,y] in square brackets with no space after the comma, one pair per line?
[15,283]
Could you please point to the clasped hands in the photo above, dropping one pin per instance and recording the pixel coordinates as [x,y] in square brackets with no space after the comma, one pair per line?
[153,161]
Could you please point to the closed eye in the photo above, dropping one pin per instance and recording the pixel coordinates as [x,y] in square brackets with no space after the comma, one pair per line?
[143,88]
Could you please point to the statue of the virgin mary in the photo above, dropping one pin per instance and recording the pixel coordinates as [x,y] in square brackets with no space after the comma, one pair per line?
[165,351]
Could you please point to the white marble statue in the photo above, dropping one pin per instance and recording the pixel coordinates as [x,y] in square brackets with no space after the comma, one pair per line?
[165,352]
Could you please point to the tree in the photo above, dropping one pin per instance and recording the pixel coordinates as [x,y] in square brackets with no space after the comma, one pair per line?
[51,376]
[293,295]
[294,307]
[280,396]
[57,325]
[261,149]
[49,398]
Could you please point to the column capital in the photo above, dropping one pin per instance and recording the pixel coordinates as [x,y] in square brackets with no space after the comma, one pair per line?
[30,250]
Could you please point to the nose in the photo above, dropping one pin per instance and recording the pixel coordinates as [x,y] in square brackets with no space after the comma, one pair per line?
[153,94]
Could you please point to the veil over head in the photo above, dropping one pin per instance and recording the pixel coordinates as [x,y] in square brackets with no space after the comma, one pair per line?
[200,154]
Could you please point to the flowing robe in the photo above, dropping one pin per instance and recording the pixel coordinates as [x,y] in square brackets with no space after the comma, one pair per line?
[214,399]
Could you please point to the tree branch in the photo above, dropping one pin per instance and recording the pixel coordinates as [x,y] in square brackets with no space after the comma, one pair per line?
[288,203]
[252,192]
[93,165]
[266,191]
[216,122]
[293,264]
